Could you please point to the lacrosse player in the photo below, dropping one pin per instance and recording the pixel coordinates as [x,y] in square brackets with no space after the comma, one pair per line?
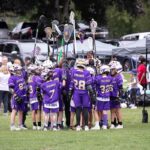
[18,89]
[116,93]
[33,81]
[79,87]
[102,107]
[50,90]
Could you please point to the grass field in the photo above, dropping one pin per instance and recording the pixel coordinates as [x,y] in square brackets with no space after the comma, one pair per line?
[135,136]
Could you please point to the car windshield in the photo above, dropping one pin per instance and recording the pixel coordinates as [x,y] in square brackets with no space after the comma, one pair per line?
[3,25]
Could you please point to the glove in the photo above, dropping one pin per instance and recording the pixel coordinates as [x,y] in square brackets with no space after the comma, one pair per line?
[93,98]
[18,99]
[92,94]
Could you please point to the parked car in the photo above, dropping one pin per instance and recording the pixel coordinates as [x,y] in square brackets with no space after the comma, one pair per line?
[26,30]
[4,31]
[24,48]
[101,32]
[135,36]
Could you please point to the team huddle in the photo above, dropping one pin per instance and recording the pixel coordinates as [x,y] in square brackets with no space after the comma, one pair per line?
[90,93]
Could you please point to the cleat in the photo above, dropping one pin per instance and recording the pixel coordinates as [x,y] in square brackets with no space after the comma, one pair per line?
[96,128]
[78,128]
[86,128]
[55,129]
[23,128]
[45,128]
[119,127]
[14,128]
[34,127]
[39,128]
[112,126]
[104,127]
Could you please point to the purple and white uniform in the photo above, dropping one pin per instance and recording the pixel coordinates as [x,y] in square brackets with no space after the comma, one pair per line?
[117,82]
[20,89]
[32,86]
[57,76]
[103,92]
[79,80]
[50,90]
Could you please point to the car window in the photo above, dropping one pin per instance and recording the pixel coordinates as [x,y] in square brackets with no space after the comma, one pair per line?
[10,48]
[1,47]
[3,25]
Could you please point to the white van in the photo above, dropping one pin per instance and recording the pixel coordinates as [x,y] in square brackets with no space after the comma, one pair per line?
[135,36]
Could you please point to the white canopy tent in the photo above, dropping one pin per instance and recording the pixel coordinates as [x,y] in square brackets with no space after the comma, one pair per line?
[131,48]
[87,45]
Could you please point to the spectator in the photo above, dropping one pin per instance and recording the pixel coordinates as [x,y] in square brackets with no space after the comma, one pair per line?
[5,61]
[141,70]
[4,89]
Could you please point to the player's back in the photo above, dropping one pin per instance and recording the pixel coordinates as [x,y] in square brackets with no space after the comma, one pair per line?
[18,82]
[117,82]
[50,91]
[80,78]
[103,84]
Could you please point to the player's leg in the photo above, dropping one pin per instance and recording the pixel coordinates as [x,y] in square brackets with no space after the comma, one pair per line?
[60,115]
[53,116]
[105,119]
[86,118]
[97,116]
[34,119]
[119,117]
[46,118]
[78,117]
[38,116]
[20,116]
[12,119]
[72,115]
[113,118]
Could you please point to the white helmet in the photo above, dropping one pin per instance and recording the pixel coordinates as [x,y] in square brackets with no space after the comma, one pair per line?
[48,64]
[113,63]
[117,66]
[104,68]
[11,69]
[91,70]
[80,62]
[45,73]
[32,68]
[17,67]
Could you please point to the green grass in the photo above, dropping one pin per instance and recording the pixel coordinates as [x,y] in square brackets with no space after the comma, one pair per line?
[135,135]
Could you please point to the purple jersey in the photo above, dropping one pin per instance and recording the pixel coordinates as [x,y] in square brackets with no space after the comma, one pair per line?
[32,86]
[79,80]
[117,82]
[50,90]
[18,84]
[103,86]
[57,74]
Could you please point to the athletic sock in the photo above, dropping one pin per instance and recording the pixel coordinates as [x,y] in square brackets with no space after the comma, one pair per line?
[101,123]
[112,122]
[115,122]
[78,113]
[97,123]
[34,124]
[39,124]
[49,124]
[120,123]
[105,119]
[85,114]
